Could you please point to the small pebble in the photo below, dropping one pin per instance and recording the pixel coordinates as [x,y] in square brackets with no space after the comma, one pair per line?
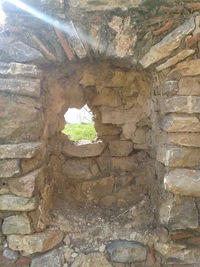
[10,254]
[74,255]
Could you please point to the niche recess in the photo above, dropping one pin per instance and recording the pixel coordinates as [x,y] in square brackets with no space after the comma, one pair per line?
[118,170]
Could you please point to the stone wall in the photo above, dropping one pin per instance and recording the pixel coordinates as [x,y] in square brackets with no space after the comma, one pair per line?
[133,196]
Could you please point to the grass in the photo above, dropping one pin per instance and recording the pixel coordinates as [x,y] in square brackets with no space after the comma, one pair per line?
[82,131]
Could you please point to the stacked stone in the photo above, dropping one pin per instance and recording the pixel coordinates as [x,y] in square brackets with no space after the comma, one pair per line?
[22,158]
[179,151]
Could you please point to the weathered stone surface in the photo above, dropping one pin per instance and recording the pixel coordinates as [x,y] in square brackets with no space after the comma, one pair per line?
[21,87]
[167,249]
[177,123]
[173,156]
[170,88]
[89,5]
[20,119]
[126,251]
[182,104]
[120,148]
[98,188]
[82,149]
[79,169]
[117,116]
[10,254]
[168,44]
[124,163]
[184,139]
[9,168]
[184,257]
[106,97]
[173,60]
[91,260]
[14,203]
[19,51]
[54,258]
[183,182]
[26,70]
[18,224]
[189,68]
[20,151]
[128,130]
[179,215]
[28,185]
[38,242]
[189,86]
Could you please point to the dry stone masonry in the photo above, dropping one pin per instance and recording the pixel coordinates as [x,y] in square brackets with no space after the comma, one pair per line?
[132,196]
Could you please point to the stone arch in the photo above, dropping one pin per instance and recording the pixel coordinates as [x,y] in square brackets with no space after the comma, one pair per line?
[32,67]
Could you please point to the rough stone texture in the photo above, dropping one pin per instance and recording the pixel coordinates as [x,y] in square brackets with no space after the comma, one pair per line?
[19,151]
[178,156]
[189,86]
[82,149]
[54,258]
[167,249]
[14,203]
[182,104]
[21,87]
[19,51]
[179,216]
[172,61]
[126,251]
[168,44]
[184,139]
[38,242]
[18,224]
[170,87]
[9,168]
[80,169]
[21,122]
[104,97]
[28,185]
[25,70]
[120,148]
[90,260]
[184,257]
[89,5]
[10,254]
[177,123]
[183,182]
[189,68]
[124,163]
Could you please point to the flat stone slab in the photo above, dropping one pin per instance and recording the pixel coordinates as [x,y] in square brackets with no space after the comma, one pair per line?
[126,251]
[179,216]
[174,156]
[189,86]
[18,69]
[14,203]
[54,258]
[83,149]
[91,260]
[9,168]
[184,182]
[20,151]
[176,123]
[17,224]
[168,44]
[184,139]
[189,68]
[182,104]
[120,148]
[21,87]
[27,185]
[38,242]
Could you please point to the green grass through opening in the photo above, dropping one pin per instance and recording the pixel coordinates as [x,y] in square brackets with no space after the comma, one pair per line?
[82,131]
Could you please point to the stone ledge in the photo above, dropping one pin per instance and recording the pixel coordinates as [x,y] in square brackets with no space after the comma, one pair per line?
[20,151]
[14,203]
[38,242]
[82,149]
[21,87]
[9,168]
[174,156]
[18,224]
[184,182]
[18,69]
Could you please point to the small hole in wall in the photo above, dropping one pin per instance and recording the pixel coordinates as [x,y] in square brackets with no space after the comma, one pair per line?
[79,124]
